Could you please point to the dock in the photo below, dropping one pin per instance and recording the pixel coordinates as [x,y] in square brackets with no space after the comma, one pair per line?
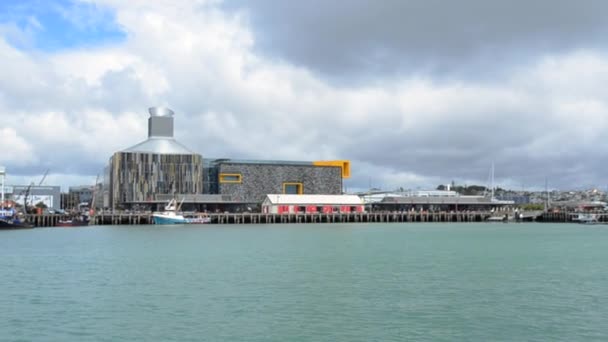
[131,219]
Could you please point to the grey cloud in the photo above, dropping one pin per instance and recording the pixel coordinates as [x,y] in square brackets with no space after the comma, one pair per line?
[469,38]
[399,131]
[120,91]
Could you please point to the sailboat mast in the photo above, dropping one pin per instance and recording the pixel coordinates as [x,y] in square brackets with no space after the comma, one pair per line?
[546,194]
[2,173]
[492,198]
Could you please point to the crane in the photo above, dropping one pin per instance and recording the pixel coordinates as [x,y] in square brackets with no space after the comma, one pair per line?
[29,187]
[25,197]
[94,195]
[44,177]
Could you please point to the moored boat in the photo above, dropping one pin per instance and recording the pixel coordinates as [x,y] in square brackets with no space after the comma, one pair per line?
[172,215]
[74,222]
[586,218]
[9,219]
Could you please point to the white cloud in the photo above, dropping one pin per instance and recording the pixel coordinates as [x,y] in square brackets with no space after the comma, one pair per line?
[15,149]
[85,103]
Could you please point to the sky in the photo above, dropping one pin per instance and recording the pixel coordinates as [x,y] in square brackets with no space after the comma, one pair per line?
[414,93]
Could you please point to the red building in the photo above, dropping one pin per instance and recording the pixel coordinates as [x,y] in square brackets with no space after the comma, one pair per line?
[327,204]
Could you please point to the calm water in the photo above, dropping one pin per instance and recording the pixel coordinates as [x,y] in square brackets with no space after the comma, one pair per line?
[389,282]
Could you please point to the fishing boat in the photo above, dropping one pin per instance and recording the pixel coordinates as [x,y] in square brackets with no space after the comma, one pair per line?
[81,221]
[173,215]
[10,219]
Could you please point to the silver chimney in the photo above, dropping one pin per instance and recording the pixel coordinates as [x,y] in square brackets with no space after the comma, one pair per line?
[160,122]
[160,135]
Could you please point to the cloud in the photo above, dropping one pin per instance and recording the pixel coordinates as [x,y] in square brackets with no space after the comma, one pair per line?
[20,151]
[69,110]
[471,38]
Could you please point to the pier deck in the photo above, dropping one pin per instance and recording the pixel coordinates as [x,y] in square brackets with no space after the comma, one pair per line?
[261,218]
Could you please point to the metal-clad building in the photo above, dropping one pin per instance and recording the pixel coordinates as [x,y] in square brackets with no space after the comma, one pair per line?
[157,166]
[34,194]
[78,195]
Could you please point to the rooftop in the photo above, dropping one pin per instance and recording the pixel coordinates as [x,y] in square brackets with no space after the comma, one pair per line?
[159,145]
[160,135]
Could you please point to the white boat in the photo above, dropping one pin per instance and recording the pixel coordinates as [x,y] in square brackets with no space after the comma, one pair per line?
[586,218]
[497,219]
[172,215]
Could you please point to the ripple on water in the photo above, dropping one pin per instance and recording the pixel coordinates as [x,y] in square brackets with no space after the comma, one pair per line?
[391,282]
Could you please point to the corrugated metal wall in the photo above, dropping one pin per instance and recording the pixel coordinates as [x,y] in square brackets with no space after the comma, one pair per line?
[138,177]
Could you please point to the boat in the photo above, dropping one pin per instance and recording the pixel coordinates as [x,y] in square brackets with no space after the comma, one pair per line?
[10,219]
[498,218]
[173,215]
[586,218]
[81,221]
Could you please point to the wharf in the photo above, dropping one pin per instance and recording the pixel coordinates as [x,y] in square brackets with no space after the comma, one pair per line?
[261,218]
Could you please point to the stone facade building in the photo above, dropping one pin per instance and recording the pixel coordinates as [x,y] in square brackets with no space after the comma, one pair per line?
[251,181]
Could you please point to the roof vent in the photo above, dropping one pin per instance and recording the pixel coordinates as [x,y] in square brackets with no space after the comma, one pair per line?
[160,135]
[160,122]
[160,111]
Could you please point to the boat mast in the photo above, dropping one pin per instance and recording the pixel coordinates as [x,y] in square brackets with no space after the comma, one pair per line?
[492,198]
[546,194]
[2,173]
[179,207]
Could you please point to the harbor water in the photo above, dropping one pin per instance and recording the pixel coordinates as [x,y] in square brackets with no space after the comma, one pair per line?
[306,282]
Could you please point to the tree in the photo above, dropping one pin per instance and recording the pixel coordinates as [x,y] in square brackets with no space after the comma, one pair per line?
[533,206]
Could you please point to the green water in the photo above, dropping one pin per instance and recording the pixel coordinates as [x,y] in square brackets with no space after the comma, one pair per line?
[351,282]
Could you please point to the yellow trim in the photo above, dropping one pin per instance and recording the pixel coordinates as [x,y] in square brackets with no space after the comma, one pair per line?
[299,184]
[238,175]
[344,164]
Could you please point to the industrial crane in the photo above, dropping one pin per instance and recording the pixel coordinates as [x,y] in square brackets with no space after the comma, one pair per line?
[92,209]
[29,187]
[44,177]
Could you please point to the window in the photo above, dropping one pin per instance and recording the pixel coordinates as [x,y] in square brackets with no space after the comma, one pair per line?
[293,188]
[230,178]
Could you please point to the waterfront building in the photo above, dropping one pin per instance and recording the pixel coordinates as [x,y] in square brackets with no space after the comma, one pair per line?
[249,181]
[327,204]
[431,200]
[157,166]
[159,169]
[78,196]
[516,198]
[49,196]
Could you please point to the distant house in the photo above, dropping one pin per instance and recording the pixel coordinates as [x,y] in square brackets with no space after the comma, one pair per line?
[292,204]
